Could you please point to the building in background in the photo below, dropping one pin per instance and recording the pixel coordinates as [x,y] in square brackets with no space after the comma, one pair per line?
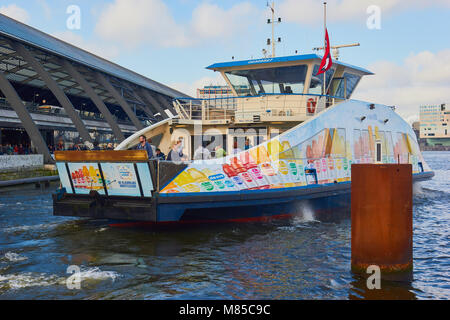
[217,92]
[222,95]
[54,95]
[214,92]
[435,125]
[416,127]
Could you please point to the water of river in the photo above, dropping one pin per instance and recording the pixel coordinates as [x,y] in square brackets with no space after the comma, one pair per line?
[299,258]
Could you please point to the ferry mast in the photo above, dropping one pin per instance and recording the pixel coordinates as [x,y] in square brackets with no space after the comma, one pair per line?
[273,22]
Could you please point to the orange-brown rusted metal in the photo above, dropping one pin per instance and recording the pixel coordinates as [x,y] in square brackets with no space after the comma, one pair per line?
[104,156]
[382,229]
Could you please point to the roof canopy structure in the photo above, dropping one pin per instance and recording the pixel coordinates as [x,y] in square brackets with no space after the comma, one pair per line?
[13,29]
[33,63]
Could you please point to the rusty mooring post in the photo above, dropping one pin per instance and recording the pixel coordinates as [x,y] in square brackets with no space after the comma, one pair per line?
[382,228]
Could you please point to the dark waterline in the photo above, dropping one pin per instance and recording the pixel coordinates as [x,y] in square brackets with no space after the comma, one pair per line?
[299,258]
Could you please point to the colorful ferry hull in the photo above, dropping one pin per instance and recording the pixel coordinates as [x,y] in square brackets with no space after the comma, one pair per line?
[307,165]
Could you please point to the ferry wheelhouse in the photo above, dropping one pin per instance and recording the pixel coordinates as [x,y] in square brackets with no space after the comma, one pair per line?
[287,144]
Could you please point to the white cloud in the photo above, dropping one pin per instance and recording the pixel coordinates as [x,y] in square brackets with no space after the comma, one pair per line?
[137,22]
[105,51]
[191,88]
[211,21]
[46,8]
[311,11]
[422,79]
[15,12]
[133,22]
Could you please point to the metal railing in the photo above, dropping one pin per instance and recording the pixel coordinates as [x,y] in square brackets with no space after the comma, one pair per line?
[249,107]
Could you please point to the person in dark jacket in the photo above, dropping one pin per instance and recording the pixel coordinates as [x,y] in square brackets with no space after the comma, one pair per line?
[96,147]
[144,145]
[159,155]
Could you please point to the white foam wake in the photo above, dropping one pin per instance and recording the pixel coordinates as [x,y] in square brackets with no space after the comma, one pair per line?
[14,257]
[97,274]
[29,279]
[25,280]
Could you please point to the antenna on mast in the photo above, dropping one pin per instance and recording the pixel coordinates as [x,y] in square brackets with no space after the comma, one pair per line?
[273,22]
[336,49]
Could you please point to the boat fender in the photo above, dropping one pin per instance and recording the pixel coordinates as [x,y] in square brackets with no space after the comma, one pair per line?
[311,105]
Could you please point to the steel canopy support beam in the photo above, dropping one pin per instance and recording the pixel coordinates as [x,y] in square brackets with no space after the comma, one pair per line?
[108,86]
[145,106]
[144,103]
[148,111]
[95,98]
[27,122]
[55,89]
[154,102]
[165,102]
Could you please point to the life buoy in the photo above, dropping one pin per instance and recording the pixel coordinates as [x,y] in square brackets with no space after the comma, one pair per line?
[311,105]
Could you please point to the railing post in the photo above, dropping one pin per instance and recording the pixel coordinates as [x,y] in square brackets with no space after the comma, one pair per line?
[203,109]
[157,178]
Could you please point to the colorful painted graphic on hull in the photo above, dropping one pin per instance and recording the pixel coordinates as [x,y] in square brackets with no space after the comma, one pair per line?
[325,156]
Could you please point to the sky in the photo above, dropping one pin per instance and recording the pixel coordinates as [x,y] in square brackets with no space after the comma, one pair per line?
[404,42]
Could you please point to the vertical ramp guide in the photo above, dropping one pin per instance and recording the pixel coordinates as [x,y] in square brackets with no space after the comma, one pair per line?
[106,185]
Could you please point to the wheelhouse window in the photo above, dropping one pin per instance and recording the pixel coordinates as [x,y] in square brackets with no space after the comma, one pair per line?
[316,84]
[281,80]
[344,87]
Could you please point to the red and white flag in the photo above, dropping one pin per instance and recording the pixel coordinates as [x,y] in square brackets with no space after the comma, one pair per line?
[326,60]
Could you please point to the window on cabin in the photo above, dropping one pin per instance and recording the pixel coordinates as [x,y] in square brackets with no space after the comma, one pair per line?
[281,80]
[254,136]
[344,87]
[210,142]
[316,84]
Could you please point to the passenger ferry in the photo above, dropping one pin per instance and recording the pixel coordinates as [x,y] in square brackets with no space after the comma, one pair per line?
[287,144]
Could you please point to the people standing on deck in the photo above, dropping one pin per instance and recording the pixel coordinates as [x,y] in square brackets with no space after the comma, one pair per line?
[202,153]
[220,152]
[180,148]
[96,147]
[176,152]
[247,144]
[144,145]
[110,146]
[159,155]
